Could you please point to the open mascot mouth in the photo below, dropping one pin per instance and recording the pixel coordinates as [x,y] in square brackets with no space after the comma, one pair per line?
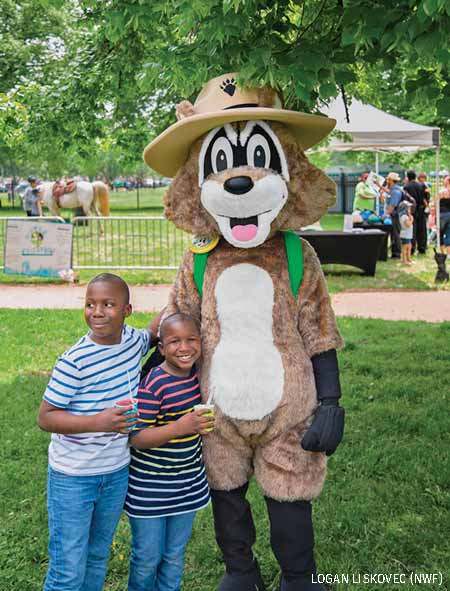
[244,229]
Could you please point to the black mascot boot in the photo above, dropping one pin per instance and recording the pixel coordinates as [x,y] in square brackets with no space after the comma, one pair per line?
[292,540]
[235,535]
[442,273]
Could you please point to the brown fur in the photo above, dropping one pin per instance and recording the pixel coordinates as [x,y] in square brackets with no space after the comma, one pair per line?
[311,191]
[266,97]
[302,327]
[184,109]
[182,200]
[308,327]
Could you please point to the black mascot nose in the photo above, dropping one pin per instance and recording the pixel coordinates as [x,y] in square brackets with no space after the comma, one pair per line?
[238,185]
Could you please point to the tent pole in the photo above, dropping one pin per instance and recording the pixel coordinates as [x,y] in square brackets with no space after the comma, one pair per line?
[377,168]
[437,204]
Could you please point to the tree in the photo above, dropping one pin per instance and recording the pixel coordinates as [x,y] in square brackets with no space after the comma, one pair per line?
[308,49]
[116,69]
[30,40]
[13,119]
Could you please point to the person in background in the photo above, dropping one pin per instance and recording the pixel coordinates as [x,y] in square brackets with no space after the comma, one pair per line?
[422,178]
[32,201]
[364,195]
[431,225]
[444,215]
[418,190]
[393,196]
[406,231]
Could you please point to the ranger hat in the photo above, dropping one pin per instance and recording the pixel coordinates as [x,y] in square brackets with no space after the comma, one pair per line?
[221,101]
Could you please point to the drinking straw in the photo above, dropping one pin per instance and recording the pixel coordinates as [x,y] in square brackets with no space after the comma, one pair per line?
[132,395]
[211,396]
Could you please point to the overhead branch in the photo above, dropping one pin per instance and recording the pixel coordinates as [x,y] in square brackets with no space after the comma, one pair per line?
[344,98]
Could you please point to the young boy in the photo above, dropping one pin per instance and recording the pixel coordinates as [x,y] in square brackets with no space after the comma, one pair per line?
[167,477]
[89,452]
[406,230]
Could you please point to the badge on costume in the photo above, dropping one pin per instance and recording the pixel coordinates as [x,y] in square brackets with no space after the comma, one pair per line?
[201,244]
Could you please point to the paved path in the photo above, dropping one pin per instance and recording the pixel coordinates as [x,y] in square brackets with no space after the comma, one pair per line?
[144,298]
[430,306]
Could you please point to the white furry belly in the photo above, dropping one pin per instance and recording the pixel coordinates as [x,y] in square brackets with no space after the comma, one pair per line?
[246,375]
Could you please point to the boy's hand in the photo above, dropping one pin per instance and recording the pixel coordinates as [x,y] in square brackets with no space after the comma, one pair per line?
[195,422]
[113,420]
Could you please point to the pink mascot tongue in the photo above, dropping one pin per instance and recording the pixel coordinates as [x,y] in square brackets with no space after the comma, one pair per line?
[244,233]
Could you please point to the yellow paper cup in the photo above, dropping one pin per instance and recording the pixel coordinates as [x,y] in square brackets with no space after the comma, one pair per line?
[206,407]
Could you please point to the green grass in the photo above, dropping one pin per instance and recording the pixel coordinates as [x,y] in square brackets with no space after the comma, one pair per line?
[386,504]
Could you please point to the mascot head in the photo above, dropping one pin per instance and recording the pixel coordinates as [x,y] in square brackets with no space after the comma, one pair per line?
[240,165]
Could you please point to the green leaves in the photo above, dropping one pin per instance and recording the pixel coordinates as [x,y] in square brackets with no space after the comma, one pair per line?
[13,118]
[122,65]
[443,107]
[431,7]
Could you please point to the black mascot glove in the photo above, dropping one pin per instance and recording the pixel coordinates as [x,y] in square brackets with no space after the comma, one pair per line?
[327,429]
[326,432]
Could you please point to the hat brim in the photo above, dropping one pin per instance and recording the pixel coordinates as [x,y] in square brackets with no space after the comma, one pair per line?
[169,151]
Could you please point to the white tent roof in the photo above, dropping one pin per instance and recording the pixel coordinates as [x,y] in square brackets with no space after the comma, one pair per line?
[373,129]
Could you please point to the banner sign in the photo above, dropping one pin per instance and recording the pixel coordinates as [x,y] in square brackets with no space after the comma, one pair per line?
[37,248]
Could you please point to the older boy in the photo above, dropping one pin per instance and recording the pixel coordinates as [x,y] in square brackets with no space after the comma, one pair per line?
[89,452]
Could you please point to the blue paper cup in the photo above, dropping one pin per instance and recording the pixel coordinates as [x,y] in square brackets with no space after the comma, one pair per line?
[127,402]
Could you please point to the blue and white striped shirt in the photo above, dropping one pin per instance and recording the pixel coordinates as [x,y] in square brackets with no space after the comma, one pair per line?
[87,379]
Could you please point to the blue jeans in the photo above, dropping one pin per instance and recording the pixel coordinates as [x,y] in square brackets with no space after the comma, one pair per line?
[157,552]
[444,224]
[83,513]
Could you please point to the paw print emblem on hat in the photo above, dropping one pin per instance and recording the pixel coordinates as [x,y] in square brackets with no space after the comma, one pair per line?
[229,86]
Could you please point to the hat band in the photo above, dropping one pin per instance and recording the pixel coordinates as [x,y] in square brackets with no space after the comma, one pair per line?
[241,106]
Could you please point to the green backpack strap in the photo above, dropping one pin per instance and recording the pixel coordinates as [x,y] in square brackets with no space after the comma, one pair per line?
[294,252]
[200,260]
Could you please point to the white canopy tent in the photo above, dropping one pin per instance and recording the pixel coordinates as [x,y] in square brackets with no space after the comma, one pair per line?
[374,130]
[370,128]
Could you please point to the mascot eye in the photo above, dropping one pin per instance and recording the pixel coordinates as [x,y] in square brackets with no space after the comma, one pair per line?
[258,151]
[221,155]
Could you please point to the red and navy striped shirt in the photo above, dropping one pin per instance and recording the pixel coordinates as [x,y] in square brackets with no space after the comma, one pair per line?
[170,479]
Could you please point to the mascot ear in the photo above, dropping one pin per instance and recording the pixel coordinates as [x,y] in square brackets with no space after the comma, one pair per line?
[184,109]
[311,191]
[268,98]
[182,200]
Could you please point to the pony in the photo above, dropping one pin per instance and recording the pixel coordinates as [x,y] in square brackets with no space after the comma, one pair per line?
[92,197]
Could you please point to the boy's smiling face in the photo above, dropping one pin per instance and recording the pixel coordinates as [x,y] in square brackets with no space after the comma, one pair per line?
[105,310]
[180,346]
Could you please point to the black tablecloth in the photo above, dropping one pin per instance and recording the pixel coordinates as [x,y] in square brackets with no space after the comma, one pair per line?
[358,249]
[387,229]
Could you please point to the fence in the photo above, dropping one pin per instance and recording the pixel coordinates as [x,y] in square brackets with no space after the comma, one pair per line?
[345,185]
[129,242]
